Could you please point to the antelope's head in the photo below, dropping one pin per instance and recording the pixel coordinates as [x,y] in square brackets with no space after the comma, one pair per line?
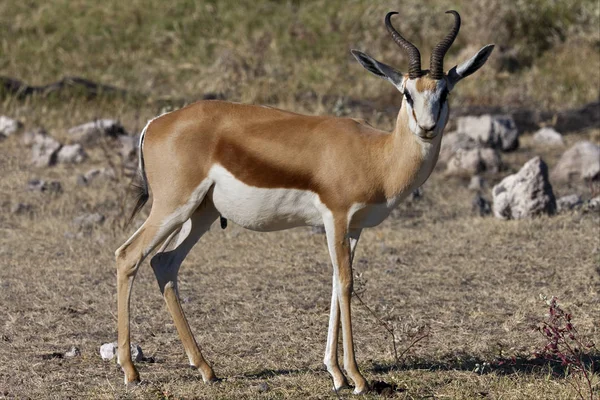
[425,91]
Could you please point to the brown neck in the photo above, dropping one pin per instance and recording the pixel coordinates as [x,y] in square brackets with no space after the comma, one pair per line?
[406,157]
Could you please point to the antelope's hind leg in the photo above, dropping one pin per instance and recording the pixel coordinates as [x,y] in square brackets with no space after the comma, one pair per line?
[166,265]
[129,256]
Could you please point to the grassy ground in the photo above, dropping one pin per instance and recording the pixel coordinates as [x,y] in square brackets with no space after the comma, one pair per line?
[259,302]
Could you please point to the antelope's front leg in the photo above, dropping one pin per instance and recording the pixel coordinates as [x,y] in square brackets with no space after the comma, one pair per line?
[340,247]
[331,353]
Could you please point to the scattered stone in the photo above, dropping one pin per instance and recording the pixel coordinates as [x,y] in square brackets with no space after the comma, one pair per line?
[39,185]
[136,353]
[128,148]
[481,205]
[53,355]
[580,161]
[495,131]
[108,351]
[477,183]
[72,352]
[263,387]
[525,194]
[20,208]
[33,136]
[474,161]
[453,141]
[8,126]
[71,154]
[44,151]
[569,202]
[317,230]
[88,221]
[96,174]
[548,137]
[594,204]
[91,132]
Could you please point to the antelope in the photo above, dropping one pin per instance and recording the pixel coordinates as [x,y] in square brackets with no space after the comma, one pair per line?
[266,169]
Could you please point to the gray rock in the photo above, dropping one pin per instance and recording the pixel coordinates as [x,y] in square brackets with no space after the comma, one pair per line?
[92,132]
[496,131]
[71,154]
[473,161]
[481,205]
[477,183]
[109,350]
[594,204]
[128,148]
[40,185]
[8,126]
[96,174]
[317,230]
[526,194]
[33,136]
[581,161]
[453,141]
[548,137]
[21,208]
[72,352]
[569,202]
[136,353]
[44,151]
[88,221]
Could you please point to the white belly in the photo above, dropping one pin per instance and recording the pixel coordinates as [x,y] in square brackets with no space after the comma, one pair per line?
[262,209]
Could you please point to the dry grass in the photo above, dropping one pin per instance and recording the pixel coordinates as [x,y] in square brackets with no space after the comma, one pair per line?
[259,302]
[274,52]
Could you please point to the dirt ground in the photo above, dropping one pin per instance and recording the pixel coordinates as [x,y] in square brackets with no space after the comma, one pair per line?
[466,288]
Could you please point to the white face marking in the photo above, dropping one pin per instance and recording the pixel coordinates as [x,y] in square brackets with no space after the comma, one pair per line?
[430,108]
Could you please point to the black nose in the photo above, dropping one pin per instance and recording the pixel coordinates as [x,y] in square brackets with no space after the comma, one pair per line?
[428,128]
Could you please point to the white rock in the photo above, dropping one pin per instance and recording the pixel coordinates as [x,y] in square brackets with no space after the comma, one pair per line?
[548,137]
[8,126]
[453,141]
[44,151]
[473,161]
[72,352]
[525,194]
[92,132]
[594,204]
[33,136]
[128,147]
[71,154]
[109,350]
[477,183]
[496,131]
[568,202]
[581,161]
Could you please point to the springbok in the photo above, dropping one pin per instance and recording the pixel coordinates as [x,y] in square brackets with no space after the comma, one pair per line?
[267,169]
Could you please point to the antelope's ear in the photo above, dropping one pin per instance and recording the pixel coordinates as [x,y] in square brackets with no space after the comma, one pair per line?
[378,68]
[468,67]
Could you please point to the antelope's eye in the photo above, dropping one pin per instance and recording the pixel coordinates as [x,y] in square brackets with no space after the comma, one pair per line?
[409,99]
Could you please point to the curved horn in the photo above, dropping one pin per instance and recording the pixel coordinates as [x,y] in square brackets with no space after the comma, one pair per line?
[414,56]
[436,64]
